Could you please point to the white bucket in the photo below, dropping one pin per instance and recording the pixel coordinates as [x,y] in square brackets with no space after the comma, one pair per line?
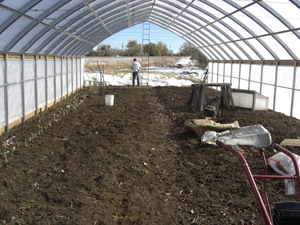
[109,100]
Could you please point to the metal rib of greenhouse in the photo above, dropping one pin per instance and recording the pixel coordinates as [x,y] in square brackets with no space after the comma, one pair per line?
[89,22]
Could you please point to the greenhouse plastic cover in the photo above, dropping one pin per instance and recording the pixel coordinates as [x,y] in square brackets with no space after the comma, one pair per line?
[221,29]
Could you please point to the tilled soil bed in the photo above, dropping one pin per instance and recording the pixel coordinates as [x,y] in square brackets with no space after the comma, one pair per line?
[82,162]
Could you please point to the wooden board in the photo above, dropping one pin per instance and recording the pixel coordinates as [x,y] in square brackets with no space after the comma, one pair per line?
[291,142]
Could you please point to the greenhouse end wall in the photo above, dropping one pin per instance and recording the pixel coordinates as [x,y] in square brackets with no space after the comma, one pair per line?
[31,84]
[279,82]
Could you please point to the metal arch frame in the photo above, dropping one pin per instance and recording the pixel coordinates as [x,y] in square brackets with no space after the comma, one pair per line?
[65,49]
[296,3]
[178,19]
[15,17]
[56,35]
[202,49]
[97,16]
[183,32]
[74,20]
[33,24]
[61,40]
[45,31]
[213,41]
[82,50]
[160,22]
[182,11]
[242,9]
[229,28]
[270,32]
[128,13]
[221,40]
[46,25]
[134,4]
[156,15]
[225,52]
[260,36]
[287,24]
[134,11]
[217,28]
[157,22]
[206,22]
[140,15]
[153,4]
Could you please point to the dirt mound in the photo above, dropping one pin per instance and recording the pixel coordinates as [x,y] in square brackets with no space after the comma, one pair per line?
[82,162]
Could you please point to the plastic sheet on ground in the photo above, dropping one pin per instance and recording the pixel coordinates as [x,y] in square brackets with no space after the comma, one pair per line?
[255,135]
[283,164]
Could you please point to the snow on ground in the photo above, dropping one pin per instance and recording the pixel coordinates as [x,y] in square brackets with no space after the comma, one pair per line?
[186,61]
[158,76]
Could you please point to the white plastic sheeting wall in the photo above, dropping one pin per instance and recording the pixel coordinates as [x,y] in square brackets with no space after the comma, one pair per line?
[31,83]
[281,84]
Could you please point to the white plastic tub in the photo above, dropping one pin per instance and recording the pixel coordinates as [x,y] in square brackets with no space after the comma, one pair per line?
[109,100]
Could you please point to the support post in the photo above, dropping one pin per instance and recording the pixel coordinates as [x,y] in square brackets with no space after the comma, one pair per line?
[275,85]
[212,72]
[231,72]
[224,72]
[72,74]
[250,70]
[218,72]
[23,89]
[80,73]
[261,76]
[6,93]
[36,86]
[46,81]
[294,86]
[61,79]
[67,75]
[76,73]
[55,79]
[240,70]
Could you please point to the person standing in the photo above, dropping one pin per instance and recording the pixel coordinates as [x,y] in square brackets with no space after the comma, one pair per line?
[135,66]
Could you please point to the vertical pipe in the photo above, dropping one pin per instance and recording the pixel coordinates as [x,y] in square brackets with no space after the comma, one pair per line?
[212,72]
[6,93]
[275,85]
[240,71]
[80,73]
[224,65]
[76,73]
[55,79]
[249,80]
[231,72]
[261,76]
[218,72]
[36,86]
[72,74]
[294,86]
[61,79]
[23,89]
[46,82]
[67,75]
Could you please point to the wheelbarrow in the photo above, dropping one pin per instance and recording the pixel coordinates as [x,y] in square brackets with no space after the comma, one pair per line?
[284,212]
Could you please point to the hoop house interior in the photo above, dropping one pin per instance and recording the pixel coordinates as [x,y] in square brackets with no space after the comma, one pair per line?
[254,44]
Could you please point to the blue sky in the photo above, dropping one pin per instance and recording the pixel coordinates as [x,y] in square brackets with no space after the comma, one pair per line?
[136,32]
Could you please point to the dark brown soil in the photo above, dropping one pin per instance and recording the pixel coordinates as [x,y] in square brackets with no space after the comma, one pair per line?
[82,162]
